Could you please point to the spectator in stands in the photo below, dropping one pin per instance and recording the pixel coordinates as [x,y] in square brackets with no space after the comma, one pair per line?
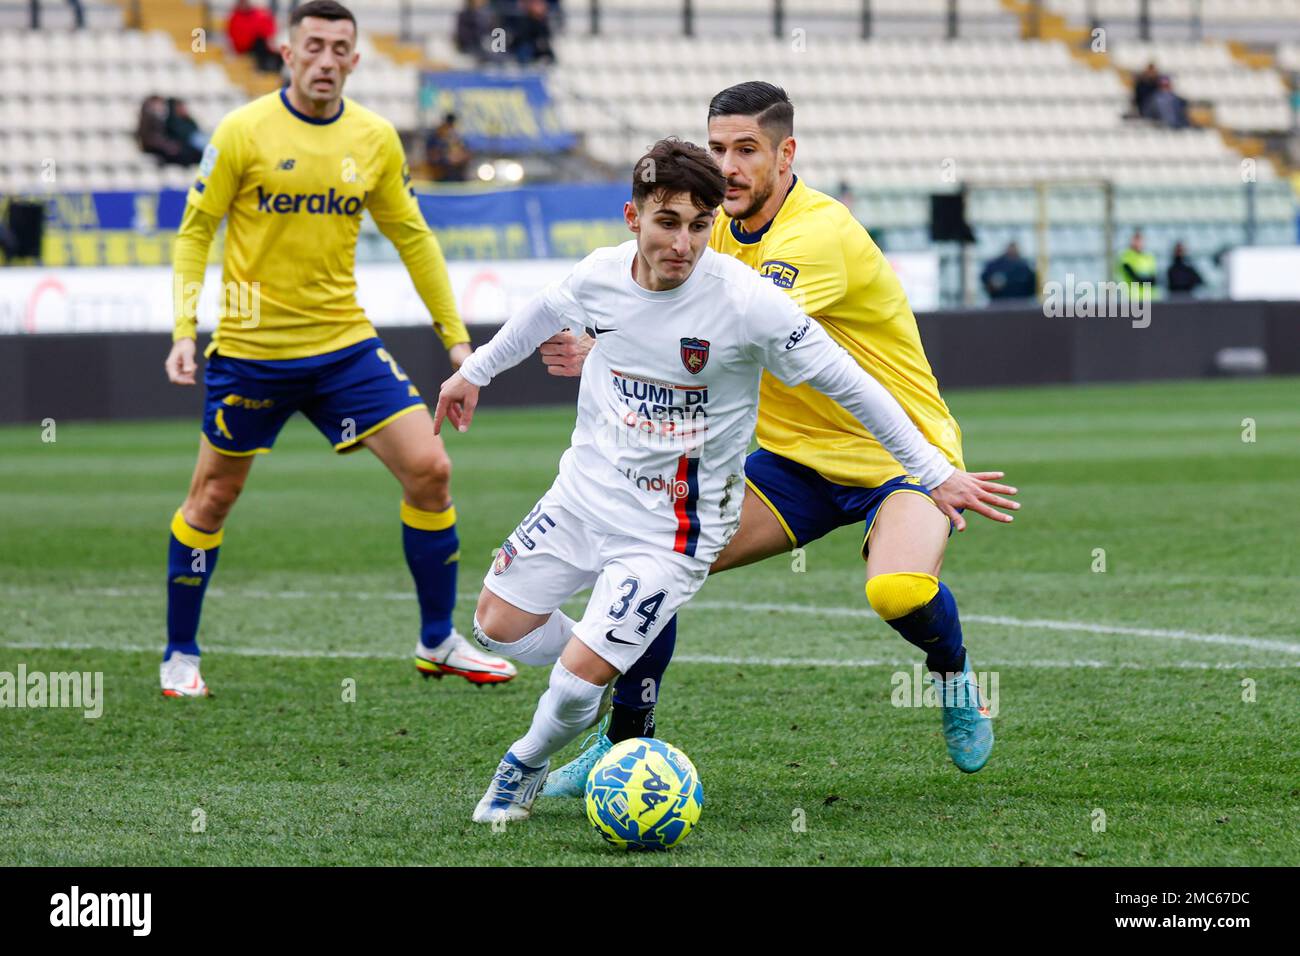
[1182,276]
[532,34]
[1166,107]
[252,30]
[1136,268]
[1009,276]
[446,153]
[182,128]
[1144,85]
[151,131]
[166,130]
[474,25]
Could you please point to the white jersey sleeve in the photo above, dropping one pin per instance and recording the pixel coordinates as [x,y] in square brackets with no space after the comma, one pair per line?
[554,308]
[796,349]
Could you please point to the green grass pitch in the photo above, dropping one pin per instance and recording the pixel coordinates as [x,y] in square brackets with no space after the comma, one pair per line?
[1163,692]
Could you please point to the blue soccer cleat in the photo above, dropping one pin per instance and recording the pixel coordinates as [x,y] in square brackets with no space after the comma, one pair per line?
[512,791]
[571,779]
[967,725]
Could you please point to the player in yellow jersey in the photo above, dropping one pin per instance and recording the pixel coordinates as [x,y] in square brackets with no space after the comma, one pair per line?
[816,468]
[292,173]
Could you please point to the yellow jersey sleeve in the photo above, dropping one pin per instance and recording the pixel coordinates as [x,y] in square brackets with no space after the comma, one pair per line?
[397,214]
[189,268]
[221,170]
[392,199]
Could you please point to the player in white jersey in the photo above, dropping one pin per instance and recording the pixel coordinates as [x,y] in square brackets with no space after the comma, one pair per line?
[650,490]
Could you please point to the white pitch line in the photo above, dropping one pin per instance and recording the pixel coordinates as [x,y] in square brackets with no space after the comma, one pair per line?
[808,610]
[309,654]
[1258,643]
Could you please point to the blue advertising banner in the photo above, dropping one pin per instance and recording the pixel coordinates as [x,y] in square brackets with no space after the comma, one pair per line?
[563,221]
[143,212]
[504,114]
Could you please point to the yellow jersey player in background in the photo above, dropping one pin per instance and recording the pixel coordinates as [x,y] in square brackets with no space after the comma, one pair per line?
[816,468]
[292,173]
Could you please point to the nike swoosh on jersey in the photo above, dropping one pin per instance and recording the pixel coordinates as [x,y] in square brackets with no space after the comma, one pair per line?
[609,636]
[599,331]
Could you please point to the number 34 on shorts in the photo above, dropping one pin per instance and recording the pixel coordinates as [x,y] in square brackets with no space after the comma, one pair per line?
[636,587]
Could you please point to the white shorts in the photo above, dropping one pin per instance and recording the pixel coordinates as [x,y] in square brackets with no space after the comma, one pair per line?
[637,588]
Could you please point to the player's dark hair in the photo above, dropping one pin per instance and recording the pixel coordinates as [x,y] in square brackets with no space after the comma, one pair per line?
[323,10]
[767,103]
[676,166]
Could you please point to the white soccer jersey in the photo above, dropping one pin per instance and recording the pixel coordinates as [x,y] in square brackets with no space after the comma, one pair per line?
[669,397]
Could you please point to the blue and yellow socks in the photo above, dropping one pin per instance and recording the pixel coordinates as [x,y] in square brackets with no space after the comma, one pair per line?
[191,559]
[433,555]
[922,609]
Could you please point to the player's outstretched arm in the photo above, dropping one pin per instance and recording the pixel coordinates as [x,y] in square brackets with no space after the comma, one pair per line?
[876,408]
[540,318]
[796,349]
[513,343]
[564,353]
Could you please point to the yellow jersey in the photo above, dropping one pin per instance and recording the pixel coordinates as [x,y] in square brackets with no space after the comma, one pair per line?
[293,189]
[818,253]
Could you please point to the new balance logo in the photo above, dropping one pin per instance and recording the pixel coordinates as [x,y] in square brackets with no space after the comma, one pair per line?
[285,164]
[328,204]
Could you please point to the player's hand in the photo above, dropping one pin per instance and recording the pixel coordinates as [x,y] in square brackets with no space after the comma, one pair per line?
[458,354]
[564,353]
[975,491]
[180,362]
[457,400]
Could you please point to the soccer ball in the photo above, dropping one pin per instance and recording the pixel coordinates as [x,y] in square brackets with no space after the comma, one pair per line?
[644,794]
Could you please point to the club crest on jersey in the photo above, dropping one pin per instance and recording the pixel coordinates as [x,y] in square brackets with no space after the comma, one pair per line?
[695,355]
[504,557]
[781,273]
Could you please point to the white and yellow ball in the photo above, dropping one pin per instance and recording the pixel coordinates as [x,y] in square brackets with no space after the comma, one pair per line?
[644,794]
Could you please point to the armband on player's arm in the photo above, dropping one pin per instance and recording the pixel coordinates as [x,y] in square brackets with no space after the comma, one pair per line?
[189,265]
[422,255]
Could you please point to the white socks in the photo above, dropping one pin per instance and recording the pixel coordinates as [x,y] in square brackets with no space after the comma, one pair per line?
[567,708]
[538,647]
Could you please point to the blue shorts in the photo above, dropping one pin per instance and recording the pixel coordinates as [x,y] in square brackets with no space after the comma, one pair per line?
[347,394]
[810,507]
